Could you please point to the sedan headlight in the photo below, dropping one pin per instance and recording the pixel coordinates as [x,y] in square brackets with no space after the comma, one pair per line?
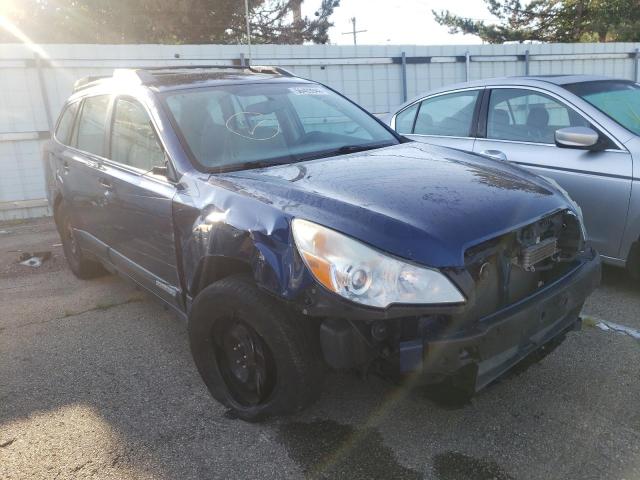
[572,202]
[364,275]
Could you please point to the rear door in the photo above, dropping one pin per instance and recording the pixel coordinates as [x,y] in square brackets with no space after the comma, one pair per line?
[56,172]
[140,228]
[520,127]
[79,169]
[446,119]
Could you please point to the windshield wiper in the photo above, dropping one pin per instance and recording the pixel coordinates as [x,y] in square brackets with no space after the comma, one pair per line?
[345,149]
[255,164]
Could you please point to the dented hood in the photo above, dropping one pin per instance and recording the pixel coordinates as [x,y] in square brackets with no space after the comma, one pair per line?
[417,201]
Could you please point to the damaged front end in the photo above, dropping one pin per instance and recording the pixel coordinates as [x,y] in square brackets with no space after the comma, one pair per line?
[524,290]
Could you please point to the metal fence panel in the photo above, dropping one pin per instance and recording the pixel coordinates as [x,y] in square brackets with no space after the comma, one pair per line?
[32,91]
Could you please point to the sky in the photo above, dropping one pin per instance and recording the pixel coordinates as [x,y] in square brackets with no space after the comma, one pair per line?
[399,22]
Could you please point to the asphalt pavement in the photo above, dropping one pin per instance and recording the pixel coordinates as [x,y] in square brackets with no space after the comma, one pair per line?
[96,381]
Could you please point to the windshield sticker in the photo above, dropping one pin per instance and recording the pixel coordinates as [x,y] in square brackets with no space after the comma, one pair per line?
[253,125]
[308,91]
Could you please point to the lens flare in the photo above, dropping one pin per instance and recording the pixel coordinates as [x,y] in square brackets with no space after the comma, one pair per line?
[12,29]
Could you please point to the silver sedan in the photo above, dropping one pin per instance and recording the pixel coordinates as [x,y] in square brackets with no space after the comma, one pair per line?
[581,131]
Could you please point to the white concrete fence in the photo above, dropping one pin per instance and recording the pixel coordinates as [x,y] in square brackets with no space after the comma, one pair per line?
[34,82]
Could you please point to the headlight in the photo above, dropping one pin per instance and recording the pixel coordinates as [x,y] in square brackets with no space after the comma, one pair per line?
[364,275]
[572,202]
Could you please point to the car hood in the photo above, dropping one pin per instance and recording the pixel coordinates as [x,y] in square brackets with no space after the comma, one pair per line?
[417,201]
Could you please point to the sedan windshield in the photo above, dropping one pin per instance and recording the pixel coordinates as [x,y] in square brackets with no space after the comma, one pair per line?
[618,99]
[252,125]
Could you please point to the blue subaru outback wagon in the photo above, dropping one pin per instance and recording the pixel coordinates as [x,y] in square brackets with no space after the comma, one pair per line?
[295,232]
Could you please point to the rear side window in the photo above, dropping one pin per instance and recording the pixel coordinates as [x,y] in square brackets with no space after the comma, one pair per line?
[447,115]
[133,138]
[65,124]
[92,125]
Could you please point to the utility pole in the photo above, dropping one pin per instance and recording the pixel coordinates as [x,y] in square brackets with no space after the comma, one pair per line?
[353,32]
[246,14]
[296,8]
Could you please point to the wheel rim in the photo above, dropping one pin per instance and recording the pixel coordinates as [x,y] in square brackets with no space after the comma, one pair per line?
[245,362]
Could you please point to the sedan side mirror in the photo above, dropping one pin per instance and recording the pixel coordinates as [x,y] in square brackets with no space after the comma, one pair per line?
[582,138]
[160,170]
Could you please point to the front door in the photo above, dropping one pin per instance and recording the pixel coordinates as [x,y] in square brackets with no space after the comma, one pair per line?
[521,125]
[140,227]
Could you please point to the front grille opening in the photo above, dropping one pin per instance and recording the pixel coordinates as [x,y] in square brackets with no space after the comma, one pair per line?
[513,266]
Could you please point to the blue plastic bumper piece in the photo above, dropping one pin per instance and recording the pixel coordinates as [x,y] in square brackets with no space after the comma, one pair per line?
[411,355]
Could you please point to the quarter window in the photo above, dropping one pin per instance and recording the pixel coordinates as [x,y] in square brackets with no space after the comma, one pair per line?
[405,119]
[447,115]
[92,125]
[65,125]
[525,116]
[133,139]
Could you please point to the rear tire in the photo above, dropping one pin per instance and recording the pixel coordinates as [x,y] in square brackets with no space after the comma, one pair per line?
[254,355]
[81,266]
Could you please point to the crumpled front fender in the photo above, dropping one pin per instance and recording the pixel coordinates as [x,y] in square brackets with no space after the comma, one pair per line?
[234,228]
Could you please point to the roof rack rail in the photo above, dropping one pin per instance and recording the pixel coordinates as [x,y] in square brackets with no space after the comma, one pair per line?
[145,75]
[192,67]
[86,81]
[270,69]
[138,75]
[254,68]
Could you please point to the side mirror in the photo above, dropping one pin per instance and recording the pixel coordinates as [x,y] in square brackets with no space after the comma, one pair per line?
[582,138]
[167,170]
[161,170]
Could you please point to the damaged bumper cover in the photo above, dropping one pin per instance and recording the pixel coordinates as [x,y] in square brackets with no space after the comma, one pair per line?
[480,350]
[501,340]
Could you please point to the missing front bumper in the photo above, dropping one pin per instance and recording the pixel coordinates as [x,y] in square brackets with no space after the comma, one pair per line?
[503,339]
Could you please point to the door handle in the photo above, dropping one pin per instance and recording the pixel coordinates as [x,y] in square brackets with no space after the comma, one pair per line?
[494,154]
[65,166]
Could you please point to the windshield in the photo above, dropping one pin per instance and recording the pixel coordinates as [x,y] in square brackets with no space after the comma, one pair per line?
[250,125]
[618,99]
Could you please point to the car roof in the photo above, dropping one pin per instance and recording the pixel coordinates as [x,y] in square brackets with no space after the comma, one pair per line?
[540,81]
[537,80]
[173,78]
[186,79]
[555,79]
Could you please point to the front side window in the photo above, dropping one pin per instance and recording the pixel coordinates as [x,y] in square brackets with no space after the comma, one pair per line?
[617,99]
[527,116]
[133,138]
[65,124]
[240,126]
[448,115]
[92,125]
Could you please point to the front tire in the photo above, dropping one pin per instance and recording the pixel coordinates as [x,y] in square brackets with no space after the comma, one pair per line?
[256,357]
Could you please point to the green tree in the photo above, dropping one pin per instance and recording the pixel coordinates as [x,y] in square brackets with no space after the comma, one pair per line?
[165,21]
[552,21]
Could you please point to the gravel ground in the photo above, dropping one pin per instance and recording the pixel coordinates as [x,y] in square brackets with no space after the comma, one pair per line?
[96,381]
